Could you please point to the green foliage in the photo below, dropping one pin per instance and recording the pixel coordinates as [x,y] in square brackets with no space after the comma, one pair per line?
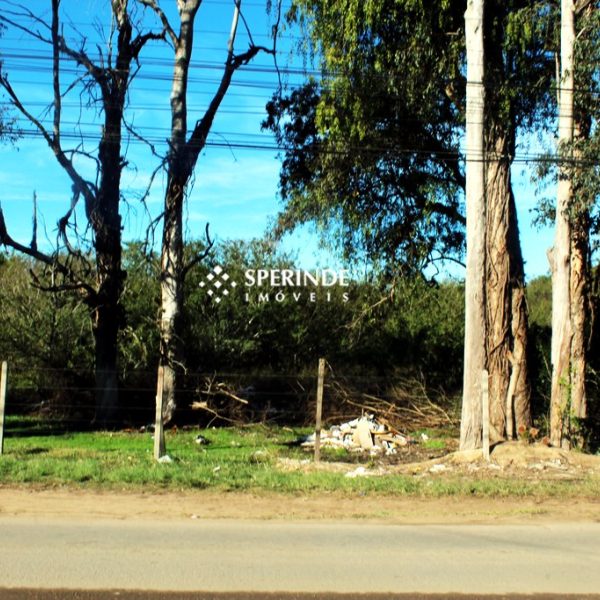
[539,302]
[45,337]
[371,150]
[376,329]
[582,164]
[138,342]
[520,45]
[412,329]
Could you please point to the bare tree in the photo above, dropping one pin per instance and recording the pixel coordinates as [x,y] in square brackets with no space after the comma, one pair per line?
[185,148]
[101,284]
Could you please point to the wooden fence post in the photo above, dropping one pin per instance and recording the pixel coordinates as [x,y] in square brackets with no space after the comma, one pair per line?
[3,385]
[159,432]
[485,414]
[319,413]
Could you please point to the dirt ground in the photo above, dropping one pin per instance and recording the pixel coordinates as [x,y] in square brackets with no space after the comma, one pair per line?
[509,459]
[512,459]
[80,504]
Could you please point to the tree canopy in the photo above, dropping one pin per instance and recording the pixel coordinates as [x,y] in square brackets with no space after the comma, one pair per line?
[372,149]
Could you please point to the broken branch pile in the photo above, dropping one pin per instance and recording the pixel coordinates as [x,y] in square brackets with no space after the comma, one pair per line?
[404,405]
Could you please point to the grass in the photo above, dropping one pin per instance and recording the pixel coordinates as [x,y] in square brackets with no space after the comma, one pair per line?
[236,459]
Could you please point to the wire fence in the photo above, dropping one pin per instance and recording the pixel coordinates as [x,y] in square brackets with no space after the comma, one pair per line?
[68,397]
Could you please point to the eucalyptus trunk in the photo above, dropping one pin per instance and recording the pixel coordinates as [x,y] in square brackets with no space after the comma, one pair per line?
[171,288]
[183,157]
[562,333]
[475,324]
[579,293]
[579,313]
[506,307]
[171,281]
[518,399]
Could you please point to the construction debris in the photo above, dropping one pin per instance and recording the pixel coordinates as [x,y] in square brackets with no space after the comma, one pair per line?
[365,434]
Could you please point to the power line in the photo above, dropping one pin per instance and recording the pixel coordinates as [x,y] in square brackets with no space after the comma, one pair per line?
[519,158]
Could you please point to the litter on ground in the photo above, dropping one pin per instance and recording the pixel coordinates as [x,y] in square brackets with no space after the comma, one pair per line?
[365,434]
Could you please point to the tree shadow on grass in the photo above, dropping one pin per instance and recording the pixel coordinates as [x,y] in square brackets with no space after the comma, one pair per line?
[21,427]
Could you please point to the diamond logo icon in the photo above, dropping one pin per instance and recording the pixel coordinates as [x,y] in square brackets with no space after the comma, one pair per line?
[218,284]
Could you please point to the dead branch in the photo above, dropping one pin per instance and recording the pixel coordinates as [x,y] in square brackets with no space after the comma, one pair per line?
[404,407]
[222,389]
[204,406]
[201,256]
[163,19]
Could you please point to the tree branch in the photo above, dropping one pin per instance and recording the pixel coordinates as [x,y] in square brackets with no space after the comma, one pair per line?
[199,257]
[49,260]
[163,19]
[140,41]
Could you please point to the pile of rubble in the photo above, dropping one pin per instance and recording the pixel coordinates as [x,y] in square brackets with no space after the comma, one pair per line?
[365,434]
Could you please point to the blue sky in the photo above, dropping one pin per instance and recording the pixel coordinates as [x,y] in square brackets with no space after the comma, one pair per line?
[235,190]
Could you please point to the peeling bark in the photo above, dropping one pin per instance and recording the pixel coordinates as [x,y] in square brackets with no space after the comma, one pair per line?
[579,313]
[506,307]
[579,286]
[521,394]
[498,289]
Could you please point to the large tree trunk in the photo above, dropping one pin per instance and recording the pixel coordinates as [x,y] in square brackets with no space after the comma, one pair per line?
[579,286]
[108,312]
[506,308]
[475,323]
[561,253]
[171,288]
[498,289]
[171,283]
[106,223]
[579,290]
[182,160]
[519,395]
[507,321]
[106,351]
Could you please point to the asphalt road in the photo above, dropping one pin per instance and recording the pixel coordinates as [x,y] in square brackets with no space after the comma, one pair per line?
[275,556]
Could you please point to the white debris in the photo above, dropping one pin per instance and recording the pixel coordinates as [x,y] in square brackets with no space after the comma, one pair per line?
[438,468]
[165,460]
[365,434]
[358,472]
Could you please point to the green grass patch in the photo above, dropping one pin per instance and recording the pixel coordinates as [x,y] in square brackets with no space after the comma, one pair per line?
[236,459]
